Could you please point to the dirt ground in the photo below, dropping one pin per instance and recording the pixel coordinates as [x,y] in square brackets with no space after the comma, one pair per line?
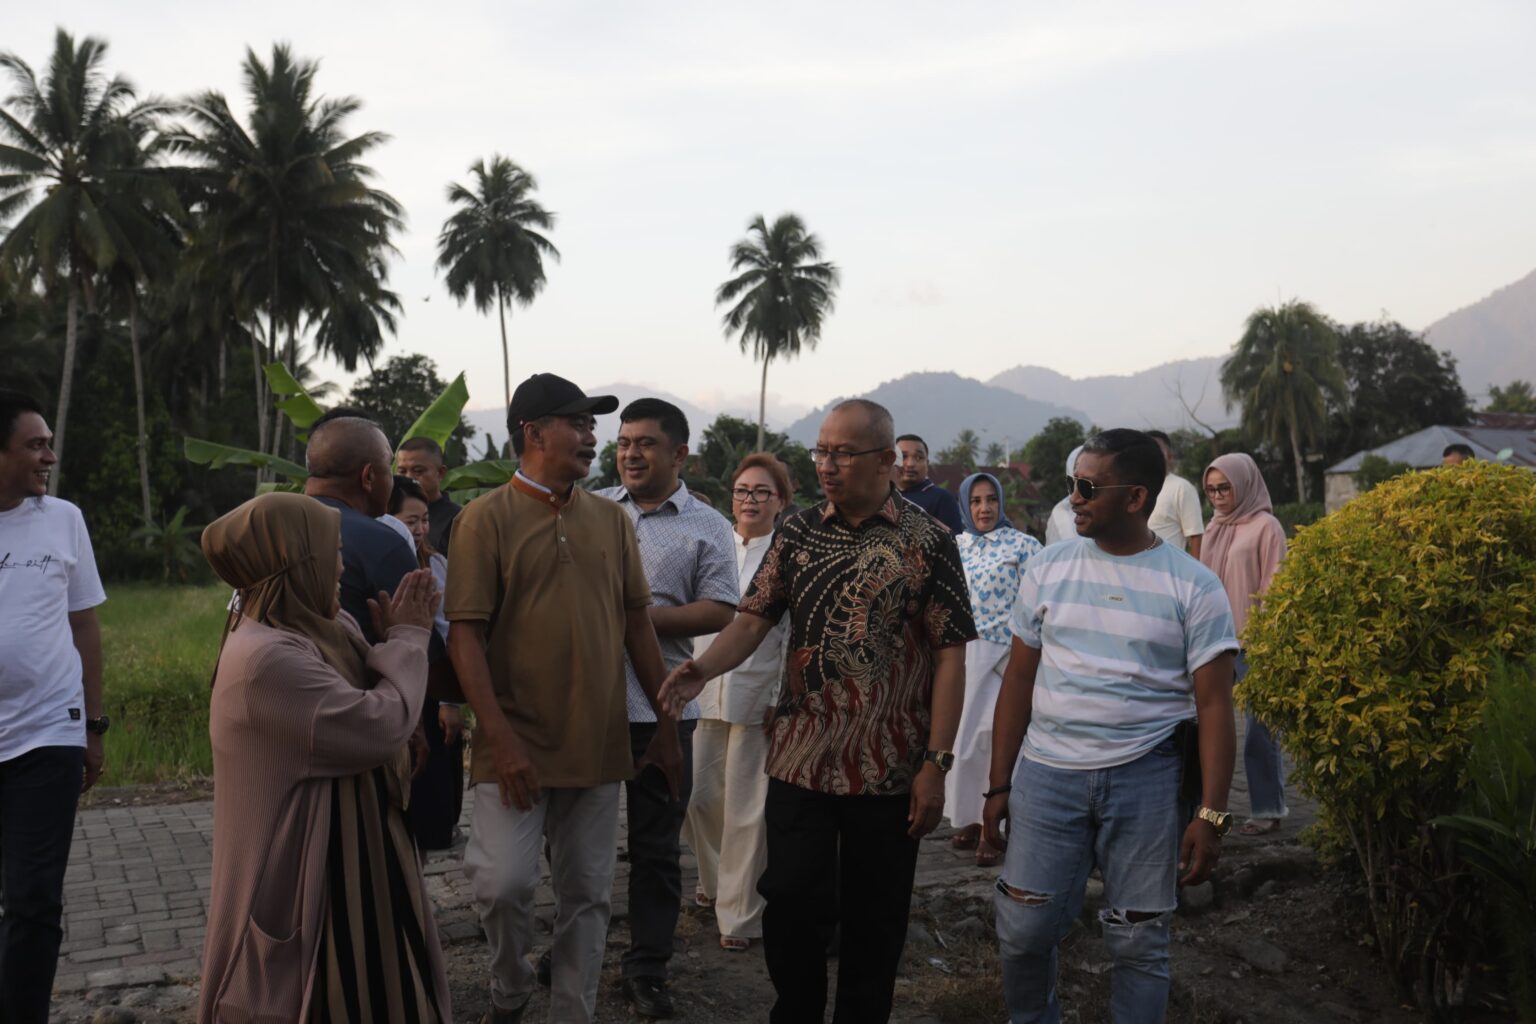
[1272,945]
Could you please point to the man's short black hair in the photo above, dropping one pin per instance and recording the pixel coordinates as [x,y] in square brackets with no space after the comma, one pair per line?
[405,487]
[12,405]
[1158,435]
[667,416]
[1136,459]
[423,444]
[913,437]
[1464,450]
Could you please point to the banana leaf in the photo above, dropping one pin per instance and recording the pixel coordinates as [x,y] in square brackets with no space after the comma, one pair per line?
[217,456]
[489,474]
[441,418]
[296,403]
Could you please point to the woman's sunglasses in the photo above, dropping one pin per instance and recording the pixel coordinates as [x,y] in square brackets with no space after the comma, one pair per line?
[1086,489]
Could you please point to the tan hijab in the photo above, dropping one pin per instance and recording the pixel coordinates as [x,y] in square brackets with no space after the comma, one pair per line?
[1250,497]
[279,552]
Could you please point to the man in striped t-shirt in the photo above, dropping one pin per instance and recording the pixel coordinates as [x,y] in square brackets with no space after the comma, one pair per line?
[1118,638]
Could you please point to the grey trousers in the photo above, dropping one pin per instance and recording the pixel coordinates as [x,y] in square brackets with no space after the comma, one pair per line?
[502,865]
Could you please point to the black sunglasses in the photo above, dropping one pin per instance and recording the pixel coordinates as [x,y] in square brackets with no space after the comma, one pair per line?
[1086,489]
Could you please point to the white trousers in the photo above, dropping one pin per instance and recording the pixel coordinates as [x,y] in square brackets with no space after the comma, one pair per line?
[969,778]
[725,827]
[502,865]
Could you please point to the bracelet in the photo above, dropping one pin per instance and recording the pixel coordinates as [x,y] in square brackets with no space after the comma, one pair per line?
[995,791]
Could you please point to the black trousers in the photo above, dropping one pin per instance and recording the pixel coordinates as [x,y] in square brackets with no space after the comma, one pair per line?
[437,794]
[842,861]
[655,849]
[38,794]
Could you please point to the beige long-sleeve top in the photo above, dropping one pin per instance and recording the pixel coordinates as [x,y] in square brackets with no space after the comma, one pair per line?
[283,724]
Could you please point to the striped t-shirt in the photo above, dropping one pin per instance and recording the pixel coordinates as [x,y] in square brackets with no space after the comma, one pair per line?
[1120,638]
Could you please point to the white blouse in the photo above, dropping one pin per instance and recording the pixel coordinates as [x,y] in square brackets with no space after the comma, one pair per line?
[744,695]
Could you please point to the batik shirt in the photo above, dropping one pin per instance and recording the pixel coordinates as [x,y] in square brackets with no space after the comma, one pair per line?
[868,605]
[994,564]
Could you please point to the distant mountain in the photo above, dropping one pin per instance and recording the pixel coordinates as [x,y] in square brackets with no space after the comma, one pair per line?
[494,421]
[1493,340]
[937,406]
[1141,400]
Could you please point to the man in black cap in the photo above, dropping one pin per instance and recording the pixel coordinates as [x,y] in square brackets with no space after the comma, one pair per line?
[546,597]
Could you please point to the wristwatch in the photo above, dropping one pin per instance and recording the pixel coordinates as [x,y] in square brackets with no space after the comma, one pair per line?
[98,726]
[943,760]
[1220,820]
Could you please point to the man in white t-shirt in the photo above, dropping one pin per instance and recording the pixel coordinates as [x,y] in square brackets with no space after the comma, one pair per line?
[1119,641]
[51,721]
[1176,516]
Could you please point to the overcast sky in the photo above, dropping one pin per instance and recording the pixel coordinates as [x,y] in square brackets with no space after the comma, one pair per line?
[1096,188]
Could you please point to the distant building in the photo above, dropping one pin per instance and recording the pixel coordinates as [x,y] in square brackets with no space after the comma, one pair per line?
[1489,434]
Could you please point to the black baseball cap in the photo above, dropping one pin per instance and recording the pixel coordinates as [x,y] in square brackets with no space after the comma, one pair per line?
[545,394]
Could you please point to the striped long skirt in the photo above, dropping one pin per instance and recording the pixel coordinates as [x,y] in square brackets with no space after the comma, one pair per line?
[379,952]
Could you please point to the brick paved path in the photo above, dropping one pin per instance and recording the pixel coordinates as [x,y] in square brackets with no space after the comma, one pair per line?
[136,892]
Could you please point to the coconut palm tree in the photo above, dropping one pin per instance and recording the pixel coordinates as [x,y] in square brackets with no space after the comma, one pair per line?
[782,291]
[67,155]
[492,247]
[1284,371]
[997,453]
[297,230]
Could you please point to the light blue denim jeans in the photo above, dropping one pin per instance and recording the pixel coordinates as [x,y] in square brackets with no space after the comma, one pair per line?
[1061,823]
[1263,764]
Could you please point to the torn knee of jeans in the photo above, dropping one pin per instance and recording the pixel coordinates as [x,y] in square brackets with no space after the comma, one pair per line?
[1023,897]
[1125,918]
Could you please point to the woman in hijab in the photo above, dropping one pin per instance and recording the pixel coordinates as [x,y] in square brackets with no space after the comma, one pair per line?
[1243,546]
[317,910]
[1062,524]
[993,553]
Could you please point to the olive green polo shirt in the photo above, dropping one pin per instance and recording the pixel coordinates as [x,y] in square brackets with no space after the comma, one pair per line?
[553,581]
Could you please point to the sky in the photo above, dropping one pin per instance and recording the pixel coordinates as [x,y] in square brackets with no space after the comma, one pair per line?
[1090,187]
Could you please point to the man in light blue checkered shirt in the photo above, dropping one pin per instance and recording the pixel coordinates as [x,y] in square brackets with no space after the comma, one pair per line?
[690,563]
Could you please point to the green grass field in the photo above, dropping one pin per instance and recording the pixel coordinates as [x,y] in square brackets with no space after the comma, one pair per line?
[159,644]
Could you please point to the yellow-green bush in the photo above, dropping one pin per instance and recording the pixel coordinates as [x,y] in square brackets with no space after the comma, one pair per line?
[1370,655]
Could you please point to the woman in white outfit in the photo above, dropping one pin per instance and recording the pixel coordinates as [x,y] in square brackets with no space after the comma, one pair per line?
[993,553]
[725,826]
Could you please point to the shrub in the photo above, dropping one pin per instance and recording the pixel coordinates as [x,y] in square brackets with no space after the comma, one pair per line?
[1496,833]
[1370,655]
[1376,470]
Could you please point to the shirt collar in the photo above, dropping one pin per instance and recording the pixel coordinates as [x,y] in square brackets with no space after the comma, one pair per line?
[751,543]
[678,499]
[538,492]
[926,485]
[890,511]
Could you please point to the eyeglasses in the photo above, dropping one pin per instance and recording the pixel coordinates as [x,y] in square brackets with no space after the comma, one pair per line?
[753,495]
[1216,489]
[842,460]
[1086,489]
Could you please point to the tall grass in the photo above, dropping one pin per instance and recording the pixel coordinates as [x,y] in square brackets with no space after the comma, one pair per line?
[159,644]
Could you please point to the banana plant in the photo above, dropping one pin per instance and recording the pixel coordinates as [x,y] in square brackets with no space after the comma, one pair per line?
[438,421]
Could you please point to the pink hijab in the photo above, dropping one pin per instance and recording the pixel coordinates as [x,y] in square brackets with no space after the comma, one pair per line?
[1251,520]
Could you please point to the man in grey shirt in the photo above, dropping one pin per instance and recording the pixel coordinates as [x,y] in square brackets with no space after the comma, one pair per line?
[690,564]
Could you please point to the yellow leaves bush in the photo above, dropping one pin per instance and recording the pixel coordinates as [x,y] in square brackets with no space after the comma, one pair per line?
[1375,640]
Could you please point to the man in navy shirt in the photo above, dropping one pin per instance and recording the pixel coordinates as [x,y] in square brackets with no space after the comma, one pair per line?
[921,491]
[348,458]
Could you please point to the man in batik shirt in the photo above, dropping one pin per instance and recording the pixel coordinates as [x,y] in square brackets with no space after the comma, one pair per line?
[860,740]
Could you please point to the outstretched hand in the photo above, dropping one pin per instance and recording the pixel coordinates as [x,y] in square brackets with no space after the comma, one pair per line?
[681,686]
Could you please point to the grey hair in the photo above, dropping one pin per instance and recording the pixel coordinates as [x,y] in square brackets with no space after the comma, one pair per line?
[881,426]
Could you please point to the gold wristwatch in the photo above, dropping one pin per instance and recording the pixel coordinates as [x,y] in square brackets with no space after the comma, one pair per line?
[943,760]
[1220,820]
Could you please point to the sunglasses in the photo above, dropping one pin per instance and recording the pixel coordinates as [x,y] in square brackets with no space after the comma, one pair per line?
[1087,489]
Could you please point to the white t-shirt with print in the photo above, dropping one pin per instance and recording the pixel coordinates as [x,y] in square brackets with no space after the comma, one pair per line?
[47,570]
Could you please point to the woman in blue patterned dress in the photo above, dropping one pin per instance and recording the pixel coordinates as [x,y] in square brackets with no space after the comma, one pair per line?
[993,552]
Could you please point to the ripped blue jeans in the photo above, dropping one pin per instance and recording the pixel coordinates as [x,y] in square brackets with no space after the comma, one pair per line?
[1061,823]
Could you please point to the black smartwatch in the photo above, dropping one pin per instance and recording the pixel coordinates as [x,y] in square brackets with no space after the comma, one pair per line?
[98,726]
